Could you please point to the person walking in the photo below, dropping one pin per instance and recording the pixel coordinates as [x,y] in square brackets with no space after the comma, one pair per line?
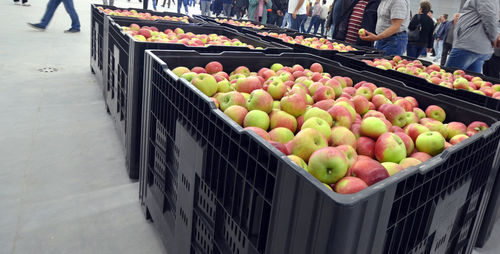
[425,27]
[357,14]
[435,46]
[49,13]
[476,34]
[298,12]
[322,16]
[205,7]
[392,24]
[226,7]
[24,3]
[448,39]
[110,2]
[439,37]
[315,17]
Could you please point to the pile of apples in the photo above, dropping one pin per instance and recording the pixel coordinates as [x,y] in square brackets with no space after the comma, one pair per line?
[142,15]
[152,34]
[437,76]
[239,23]
[349,136]
[312,42]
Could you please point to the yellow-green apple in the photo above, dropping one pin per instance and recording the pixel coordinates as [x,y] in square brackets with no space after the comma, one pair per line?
[189,76]
[369,170]
[323,93]
[341,116]
[237,113]
[262,133]
[387,93]
[362,32]
[206,83]
[349,153]
[373,127]
[477,126]
[179,71]
[395,114]
[241,70]
[229,99]
[342,136]
[348,104]
[431,142]
[420,113]
[309,100]
[198,70]
[348,82]
[328,165]
[455,128]
[341,80]
[276,104]
[318,124]
[261,100]
[390,148]
[285,76]
[410,146]
[350,185]
[411,117]
[435,112]
[279,118]
[412,100]
[409,162]
[324,104]
[306,142]
[458,138]
[317,112]
[248,84]
[434,125]
[392,168]
[361,104]
[281,134]
[414,130]
[421,156]
[276,66]
[379,100]
[280,146]
[257,118]
[299,161]
[365,92]
[461,83]
[224,86]
[314,86]
[365,146]
[374,113]
[294,104]
[335,85]
[297,67]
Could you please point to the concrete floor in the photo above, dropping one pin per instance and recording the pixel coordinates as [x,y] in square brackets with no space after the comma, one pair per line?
[64,188]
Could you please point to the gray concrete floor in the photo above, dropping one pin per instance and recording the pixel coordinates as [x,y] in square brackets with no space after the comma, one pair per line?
[64,188]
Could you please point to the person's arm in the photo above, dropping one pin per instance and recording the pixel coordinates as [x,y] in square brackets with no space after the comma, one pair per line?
[488,13]
[413,23]
[299,4]
[390,31]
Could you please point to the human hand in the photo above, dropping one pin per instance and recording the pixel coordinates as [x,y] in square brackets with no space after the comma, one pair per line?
[279,13]
[429,50]
[294,14]
[368,36]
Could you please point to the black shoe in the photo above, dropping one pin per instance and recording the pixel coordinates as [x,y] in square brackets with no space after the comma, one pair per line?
[37,26]
[72,30]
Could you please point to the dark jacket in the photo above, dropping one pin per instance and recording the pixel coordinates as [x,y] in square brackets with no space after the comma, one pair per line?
[369,20]
[441,32]
[425,38]
[447,27]
[281,5]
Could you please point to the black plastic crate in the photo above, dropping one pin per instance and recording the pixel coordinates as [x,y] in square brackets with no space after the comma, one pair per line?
[240,28]
[124,60]
[235,193]
[329,54]
[422,84]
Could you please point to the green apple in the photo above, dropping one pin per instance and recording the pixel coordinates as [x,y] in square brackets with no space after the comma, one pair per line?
[276,67]
[224,86]
[306,142]
[281,134]
[189,76]
[257,118]
[318,124]
[392,168]
[431,143]
[206,83]
[390,148]
[328,165]
[340,135]
[317,112]
[373,127]
[261,100]
[299,161]
[180,70]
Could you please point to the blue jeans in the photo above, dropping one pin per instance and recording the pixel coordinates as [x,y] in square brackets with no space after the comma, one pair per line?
[70,9]
[467,60]
[314,22]
[438,49]
[302,27]
[179,5]
[297,22]
[394,45]
[287,21]
[414,51]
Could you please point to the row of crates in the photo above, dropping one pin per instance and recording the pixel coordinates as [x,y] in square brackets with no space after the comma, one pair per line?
[211,187]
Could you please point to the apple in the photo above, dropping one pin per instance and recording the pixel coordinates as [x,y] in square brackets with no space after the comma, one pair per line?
[262,133]
[189,76]
[373,127]
[365,146]
[236,113]
[365,92]
[350,185]
[294,104]
[361,104]
[395,114]
[349,153]
[335,85]
[341,116]
[213,67]
[461,83]
[230,98]
[431,143]
[316,67]
[435,112]
[455,128]
[419,112]
[409,162]
[390,148]
[328,165]
[409,145]
[206,83]
[414,130]
[340,135]
[280,146]
[458,138]
[323,93]
[306,142]
[279,118]
[369,170]
[256,118]
[421,156]
[281,134]
[362,32]
[477,126]
[179,71]
[261,100]
[317,112]
[276,67]
[434,125]
[314,86]
[299,161]
[248,84]
[318,124]
[392,168]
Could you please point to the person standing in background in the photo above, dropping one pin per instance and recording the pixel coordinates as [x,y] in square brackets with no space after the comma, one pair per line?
[436,28]
[356,14]
[448,39]
[476,34]
[392,24]
[179,5]
[49,13]
[298,12]
[416,47]
[315,17]
[226,7]
[278,10]
[322,16]
[431,15]
[240,7]
[205,7]
[439,37]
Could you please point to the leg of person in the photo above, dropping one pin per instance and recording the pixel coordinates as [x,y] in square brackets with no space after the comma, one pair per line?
[310,25]
[477,65]
[411,50]
[154,5]
[16,2]
[49,13]
[295,23]
[278,20]
[316,25]
[185,2]
[302,27]
[439,50]
[322,25]
[105,2]
[285,20]
[179,5]
[445,52]
[227,10]
[461,59]
[75,22]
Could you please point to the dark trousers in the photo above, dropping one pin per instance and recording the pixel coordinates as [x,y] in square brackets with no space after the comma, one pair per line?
[491,68]
[24,1]
[274,19]
[446,50]
[413,50]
